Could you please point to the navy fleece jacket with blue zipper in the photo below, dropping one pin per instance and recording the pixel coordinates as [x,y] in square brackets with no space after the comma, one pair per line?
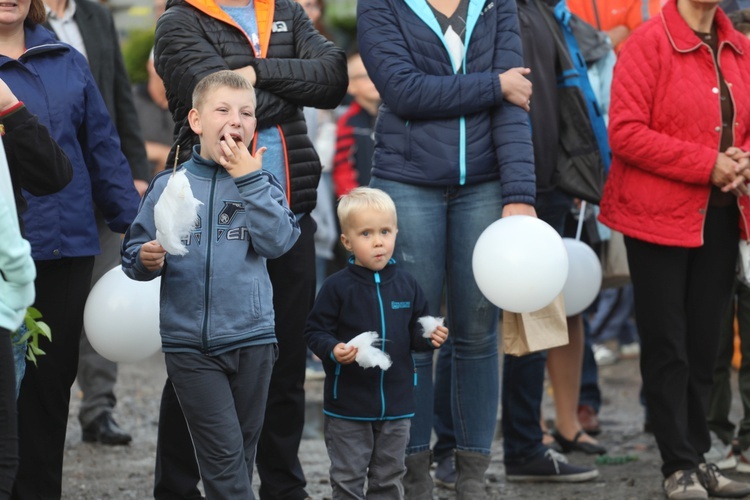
[357,300]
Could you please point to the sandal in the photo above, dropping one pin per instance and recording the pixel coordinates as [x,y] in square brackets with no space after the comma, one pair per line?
[576,445]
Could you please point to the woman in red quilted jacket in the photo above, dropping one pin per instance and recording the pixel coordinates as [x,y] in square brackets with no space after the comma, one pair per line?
[680,98]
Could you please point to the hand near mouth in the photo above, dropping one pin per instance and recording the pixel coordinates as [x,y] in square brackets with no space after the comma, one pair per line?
[236,159]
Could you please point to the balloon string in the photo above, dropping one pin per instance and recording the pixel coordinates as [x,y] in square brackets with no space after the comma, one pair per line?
[581,216]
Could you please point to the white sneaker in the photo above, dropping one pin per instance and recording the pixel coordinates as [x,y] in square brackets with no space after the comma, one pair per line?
[743,461]
[684,485]
[630,351]
[603,355]
[721,454]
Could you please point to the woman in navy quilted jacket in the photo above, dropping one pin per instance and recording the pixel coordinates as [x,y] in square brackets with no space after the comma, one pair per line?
[676,190]
[453,149]
[54,82]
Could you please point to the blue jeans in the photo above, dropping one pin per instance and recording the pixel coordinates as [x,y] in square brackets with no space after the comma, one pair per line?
[523,377]
[614,316]
[590,394]
[437,230]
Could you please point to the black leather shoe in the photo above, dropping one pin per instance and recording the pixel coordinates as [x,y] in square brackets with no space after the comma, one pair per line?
[576,445]
[105,430]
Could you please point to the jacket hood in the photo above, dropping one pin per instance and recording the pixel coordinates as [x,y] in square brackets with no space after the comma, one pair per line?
[263,12]
[682,37]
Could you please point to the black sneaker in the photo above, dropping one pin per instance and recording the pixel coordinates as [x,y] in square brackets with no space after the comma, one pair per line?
[550,467]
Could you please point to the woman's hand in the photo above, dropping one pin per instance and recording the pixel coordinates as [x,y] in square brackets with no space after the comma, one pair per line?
[730,172]
[516,87]
[7,97]
[518,209]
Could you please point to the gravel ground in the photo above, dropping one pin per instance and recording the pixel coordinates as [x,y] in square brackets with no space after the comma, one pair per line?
[93,471]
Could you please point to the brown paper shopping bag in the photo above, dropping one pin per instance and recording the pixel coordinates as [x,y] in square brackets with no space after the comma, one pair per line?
[524,333]
[614,257]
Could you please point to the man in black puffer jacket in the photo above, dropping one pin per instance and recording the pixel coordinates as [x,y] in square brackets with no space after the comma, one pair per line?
[275,46]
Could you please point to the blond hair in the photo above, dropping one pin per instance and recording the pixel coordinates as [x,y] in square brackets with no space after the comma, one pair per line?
[223,78]
[364,198]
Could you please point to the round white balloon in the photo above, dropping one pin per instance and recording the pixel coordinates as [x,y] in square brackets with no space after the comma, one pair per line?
[584,277]
[520,263]
[121,318]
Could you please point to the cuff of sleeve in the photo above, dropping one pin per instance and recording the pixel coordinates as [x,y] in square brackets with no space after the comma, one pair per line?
[497,88]
[254,65]
[9,111]
[247,181]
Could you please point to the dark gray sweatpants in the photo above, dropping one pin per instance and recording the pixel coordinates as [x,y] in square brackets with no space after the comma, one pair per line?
[223,398]
[367,450]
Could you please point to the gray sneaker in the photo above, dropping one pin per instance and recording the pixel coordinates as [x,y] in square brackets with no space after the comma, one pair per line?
[684,485]
[718,485]
[720,454]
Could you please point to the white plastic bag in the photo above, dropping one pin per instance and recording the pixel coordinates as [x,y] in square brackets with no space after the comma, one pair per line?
[743,263]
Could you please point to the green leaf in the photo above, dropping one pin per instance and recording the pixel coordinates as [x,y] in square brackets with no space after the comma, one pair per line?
[35,329]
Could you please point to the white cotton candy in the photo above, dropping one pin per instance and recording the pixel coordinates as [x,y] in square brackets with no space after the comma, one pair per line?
[369,356]
[430,324]
[175,214]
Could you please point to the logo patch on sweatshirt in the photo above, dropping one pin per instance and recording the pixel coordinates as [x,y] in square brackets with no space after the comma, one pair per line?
[279,27]
[400,305]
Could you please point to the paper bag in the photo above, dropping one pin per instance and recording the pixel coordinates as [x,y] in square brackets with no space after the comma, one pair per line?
[524,333]
[614,257]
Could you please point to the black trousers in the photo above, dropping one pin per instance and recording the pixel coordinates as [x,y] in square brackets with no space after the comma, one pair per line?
[281,476]
[8,419]
[62,287]
[680,298]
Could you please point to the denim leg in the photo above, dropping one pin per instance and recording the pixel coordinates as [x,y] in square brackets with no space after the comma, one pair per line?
[523,377]
[421,250]
[590,393]
[446,439]
[523,386]
[472,320]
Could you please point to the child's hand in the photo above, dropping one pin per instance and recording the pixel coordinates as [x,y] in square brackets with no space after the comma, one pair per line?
[438,336]
[152,255]
[344,354]
[237,160]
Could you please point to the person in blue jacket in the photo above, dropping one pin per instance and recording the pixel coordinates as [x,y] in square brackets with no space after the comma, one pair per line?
[453,149]
[216,315]
[54,82]
[368,410]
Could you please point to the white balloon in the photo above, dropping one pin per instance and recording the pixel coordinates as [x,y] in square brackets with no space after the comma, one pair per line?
[584,277]
[520,263]
[121,318]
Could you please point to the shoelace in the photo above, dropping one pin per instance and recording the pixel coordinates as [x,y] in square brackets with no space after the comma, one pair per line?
[686,480]
[710,475]
[556,457]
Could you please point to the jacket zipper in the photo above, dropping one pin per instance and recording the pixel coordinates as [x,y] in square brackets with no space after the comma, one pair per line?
[207,266]
[382,342]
